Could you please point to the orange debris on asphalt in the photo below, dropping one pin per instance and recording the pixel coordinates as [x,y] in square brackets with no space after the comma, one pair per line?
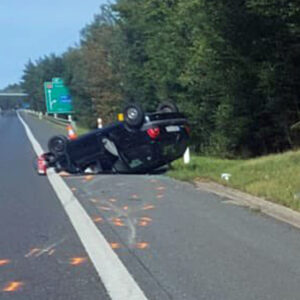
[105,208]
[142,245]
[97,219]
[161,188]
[64,174]
[94,200]
[13,286]
[32,252]
[115,245]
[147,219]
[118,222]
[147,207]
[75,261]
[143,223]
[88,177]
[4,262]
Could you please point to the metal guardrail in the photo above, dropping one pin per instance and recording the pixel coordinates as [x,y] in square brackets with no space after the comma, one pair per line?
[13,95]
[58,121]
[53,119]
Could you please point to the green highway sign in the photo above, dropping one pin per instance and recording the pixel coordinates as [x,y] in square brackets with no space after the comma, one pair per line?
[58,99]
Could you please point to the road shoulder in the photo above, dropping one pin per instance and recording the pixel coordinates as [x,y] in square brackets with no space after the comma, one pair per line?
[237,197]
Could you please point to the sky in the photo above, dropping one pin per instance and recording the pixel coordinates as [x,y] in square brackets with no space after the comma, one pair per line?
[33,28]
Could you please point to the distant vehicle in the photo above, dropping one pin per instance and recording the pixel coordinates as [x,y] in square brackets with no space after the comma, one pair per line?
[140,144]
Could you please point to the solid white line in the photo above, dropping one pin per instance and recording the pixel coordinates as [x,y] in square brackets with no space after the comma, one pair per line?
[118,282]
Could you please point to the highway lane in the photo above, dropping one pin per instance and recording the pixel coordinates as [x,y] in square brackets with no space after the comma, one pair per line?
[40,254]
[182,243]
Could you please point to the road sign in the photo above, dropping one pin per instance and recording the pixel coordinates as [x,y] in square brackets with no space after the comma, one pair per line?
[58,99]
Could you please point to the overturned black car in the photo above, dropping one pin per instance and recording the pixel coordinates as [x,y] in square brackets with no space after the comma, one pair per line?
[139,144]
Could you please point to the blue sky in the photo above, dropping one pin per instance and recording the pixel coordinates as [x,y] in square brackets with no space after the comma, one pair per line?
[34,28]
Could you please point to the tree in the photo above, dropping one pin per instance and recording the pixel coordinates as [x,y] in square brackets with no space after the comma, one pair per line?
[35,74]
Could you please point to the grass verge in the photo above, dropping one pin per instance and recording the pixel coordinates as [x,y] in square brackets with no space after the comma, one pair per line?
[275,177]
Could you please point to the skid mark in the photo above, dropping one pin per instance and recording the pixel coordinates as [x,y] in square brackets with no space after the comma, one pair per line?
[36,252]
[132,234]
[51,252]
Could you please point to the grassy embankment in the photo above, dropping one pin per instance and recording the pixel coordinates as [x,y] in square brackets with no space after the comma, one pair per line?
[274,177]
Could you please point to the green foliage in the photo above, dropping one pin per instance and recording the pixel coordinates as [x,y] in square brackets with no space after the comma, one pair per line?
[89,72]
[232,66]
[35,74]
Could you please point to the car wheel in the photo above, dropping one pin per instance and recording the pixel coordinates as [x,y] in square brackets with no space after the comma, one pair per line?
[134,115]
[57,145]
[167,107]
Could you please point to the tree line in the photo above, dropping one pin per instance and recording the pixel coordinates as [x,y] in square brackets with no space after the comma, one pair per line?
[11,102]
[232,66]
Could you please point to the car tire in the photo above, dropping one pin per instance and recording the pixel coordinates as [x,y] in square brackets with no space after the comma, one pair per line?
[134,115]
[167,107]
[57,145]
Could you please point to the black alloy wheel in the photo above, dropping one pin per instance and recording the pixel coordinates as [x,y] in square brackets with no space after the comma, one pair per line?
[57,145]
[134,115]
[167,107]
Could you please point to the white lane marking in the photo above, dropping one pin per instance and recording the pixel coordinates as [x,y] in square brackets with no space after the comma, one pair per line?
[118,282]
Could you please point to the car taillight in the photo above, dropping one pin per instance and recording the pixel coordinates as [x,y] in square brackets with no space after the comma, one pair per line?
[153,132]
[187,129]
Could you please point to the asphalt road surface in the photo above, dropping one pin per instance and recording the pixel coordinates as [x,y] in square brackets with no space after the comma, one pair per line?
[175,241]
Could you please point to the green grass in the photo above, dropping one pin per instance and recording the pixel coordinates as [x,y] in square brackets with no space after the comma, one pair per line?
[274,177]
[81,130]
[62,128]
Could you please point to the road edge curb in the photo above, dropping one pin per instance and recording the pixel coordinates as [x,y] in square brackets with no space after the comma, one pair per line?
[277,211]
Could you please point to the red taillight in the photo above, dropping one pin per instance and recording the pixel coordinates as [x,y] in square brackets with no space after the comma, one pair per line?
[187,129]
[153,132]
[41,165]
